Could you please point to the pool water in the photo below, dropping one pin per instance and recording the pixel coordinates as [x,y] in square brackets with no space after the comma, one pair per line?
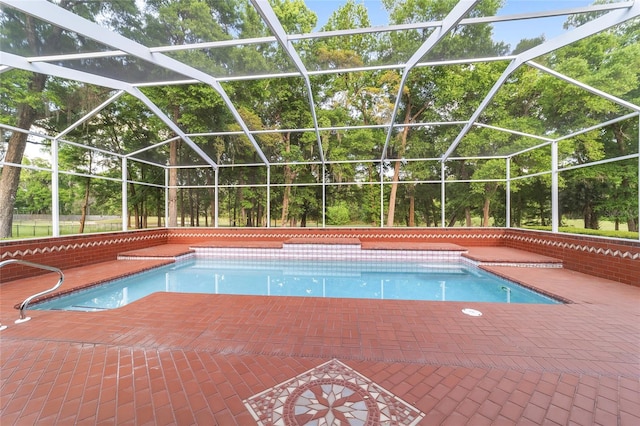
[364,280]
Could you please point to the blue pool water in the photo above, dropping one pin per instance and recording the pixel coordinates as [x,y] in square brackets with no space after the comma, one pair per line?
[379,280]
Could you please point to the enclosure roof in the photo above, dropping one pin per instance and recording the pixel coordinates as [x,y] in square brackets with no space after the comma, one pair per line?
[115,60]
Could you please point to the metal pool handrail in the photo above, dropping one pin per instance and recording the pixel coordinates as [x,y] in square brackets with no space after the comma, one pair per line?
[23,305]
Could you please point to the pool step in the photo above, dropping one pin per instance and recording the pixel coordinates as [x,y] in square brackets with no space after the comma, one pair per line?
[163,251]
[507,256]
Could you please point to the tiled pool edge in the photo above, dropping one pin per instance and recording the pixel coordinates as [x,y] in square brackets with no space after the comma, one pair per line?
[343,252]
[175,258]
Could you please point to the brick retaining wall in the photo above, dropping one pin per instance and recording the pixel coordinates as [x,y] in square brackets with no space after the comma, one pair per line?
[73,251]
[614,259]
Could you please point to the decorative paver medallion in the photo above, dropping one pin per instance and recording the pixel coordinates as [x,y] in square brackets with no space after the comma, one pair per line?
[330,394]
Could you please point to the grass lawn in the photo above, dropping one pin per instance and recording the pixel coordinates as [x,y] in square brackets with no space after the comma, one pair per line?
[35,228]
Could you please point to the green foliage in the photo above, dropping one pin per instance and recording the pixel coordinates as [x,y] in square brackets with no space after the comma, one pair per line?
[34,192]
[338,215]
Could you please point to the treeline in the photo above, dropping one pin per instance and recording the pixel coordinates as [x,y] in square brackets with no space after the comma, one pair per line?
[359,189]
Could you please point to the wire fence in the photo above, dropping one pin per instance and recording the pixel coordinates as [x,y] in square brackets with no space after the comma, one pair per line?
[25,230]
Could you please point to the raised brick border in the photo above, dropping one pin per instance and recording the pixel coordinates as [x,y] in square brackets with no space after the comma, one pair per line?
[614,259]
[461,236]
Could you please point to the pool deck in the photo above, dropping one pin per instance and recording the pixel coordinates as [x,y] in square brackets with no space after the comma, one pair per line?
[203,359]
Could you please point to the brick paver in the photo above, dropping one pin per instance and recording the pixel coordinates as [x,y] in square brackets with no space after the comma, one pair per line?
[193,359]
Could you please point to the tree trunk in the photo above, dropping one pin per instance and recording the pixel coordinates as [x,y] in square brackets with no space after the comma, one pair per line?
[632,223]
[467,217]
[289,176]
[10,176]
[453,219]
[197,208]
[412,211]
[435,213]
[239,204]
[490,190]
[260,220]
[9,181]
[192,213]
[427,212]
[182,209]
[159,207]
[485,212]
[212,199]
[136,215]
[587,211]
[27,115]
[145,215]
[396,168]
[392,196]
[85,205]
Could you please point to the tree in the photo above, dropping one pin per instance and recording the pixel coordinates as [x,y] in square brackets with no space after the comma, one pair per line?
[284,105]
[23,34]
[437,92]
[609,61]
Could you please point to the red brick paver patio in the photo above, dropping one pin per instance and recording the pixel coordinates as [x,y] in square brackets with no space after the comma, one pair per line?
[194,359]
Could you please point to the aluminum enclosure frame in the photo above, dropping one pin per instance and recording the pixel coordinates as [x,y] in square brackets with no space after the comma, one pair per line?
[614,14]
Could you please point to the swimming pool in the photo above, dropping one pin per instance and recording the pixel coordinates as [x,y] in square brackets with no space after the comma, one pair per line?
[365,280]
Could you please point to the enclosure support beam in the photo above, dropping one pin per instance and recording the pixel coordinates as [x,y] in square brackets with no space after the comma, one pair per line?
[586,87]
[555,216]
[55,189]
[324,196]
[58,16]
[442,195]
[590,28]
[449,22]
[166,197]
[638,205]
[216,196]
[268,196]
[58,71]
[125,209]
[381,194]
[91,113]
[508,194]
[266,11]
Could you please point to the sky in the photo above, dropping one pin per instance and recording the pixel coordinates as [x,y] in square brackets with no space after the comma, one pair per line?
[510,33]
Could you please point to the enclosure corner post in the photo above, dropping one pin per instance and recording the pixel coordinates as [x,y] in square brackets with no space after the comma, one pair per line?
[555,216]
[166,197]
[55,189]
[508,193]
[125,211]
[216,196]
[324,196]
[381,194]
[442,194]
[268,195]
